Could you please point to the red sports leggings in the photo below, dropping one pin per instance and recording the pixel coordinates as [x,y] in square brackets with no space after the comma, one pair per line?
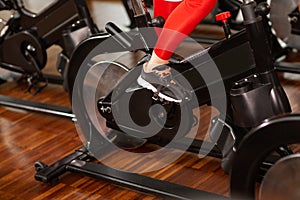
[181,19]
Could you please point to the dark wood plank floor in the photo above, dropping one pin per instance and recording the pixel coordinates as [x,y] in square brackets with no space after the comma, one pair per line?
[26,137]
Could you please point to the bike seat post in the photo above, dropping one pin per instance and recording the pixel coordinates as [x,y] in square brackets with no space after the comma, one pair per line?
[144,24]
[141,14]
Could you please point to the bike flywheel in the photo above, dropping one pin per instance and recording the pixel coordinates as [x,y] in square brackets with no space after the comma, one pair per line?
[93,83]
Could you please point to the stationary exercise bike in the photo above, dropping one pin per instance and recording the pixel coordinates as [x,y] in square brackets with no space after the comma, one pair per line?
[114,111]
[26,36]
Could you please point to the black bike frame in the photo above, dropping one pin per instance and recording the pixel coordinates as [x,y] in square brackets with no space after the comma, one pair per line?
[50,23]
[27,29]
[27,35]
[249,70]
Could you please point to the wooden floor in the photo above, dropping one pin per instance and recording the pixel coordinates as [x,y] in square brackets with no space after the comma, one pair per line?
[27,137]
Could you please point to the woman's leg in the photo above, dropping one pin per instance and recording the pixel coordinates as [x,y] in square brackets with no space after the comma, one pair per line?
[179,24]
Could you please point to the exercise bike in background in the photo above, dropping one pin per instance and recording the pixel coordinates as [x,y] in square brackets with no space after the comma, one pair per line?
[285,18]
[26,36]
[252,137]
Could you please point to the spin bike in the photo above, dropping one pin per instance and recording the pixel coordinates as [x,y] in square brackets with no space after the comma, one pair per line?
[284,17]
[26,36]
[245,135]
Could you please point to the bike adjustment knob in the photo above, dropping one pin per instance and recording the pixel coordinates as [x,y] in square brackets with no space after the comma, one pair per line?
[223,18]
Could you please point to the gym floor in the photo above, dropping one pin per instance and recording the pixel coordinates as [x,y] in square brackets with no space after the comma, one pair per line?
[27,137]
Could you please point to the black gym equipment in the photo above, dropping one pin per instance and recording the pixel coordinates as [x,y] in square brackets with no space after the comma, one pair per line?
[285,21]
[25,38]
[282,130]
[284,17]
[256,123]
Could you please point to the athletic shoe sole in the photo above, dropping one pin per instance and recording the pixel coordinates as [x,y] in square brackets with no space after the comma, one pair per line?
[142,82]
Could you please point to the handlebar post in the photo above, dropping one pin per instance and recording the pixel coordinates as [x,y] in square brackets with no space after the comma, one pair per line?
[257,37]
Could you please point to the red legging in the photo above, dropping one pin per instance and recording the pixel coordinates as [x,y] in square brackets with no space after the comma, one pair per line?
[181,19]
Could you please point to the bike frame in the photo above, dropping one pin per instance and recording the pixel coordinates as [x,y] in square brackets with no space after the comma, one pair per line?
[248,44]
[25,38]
